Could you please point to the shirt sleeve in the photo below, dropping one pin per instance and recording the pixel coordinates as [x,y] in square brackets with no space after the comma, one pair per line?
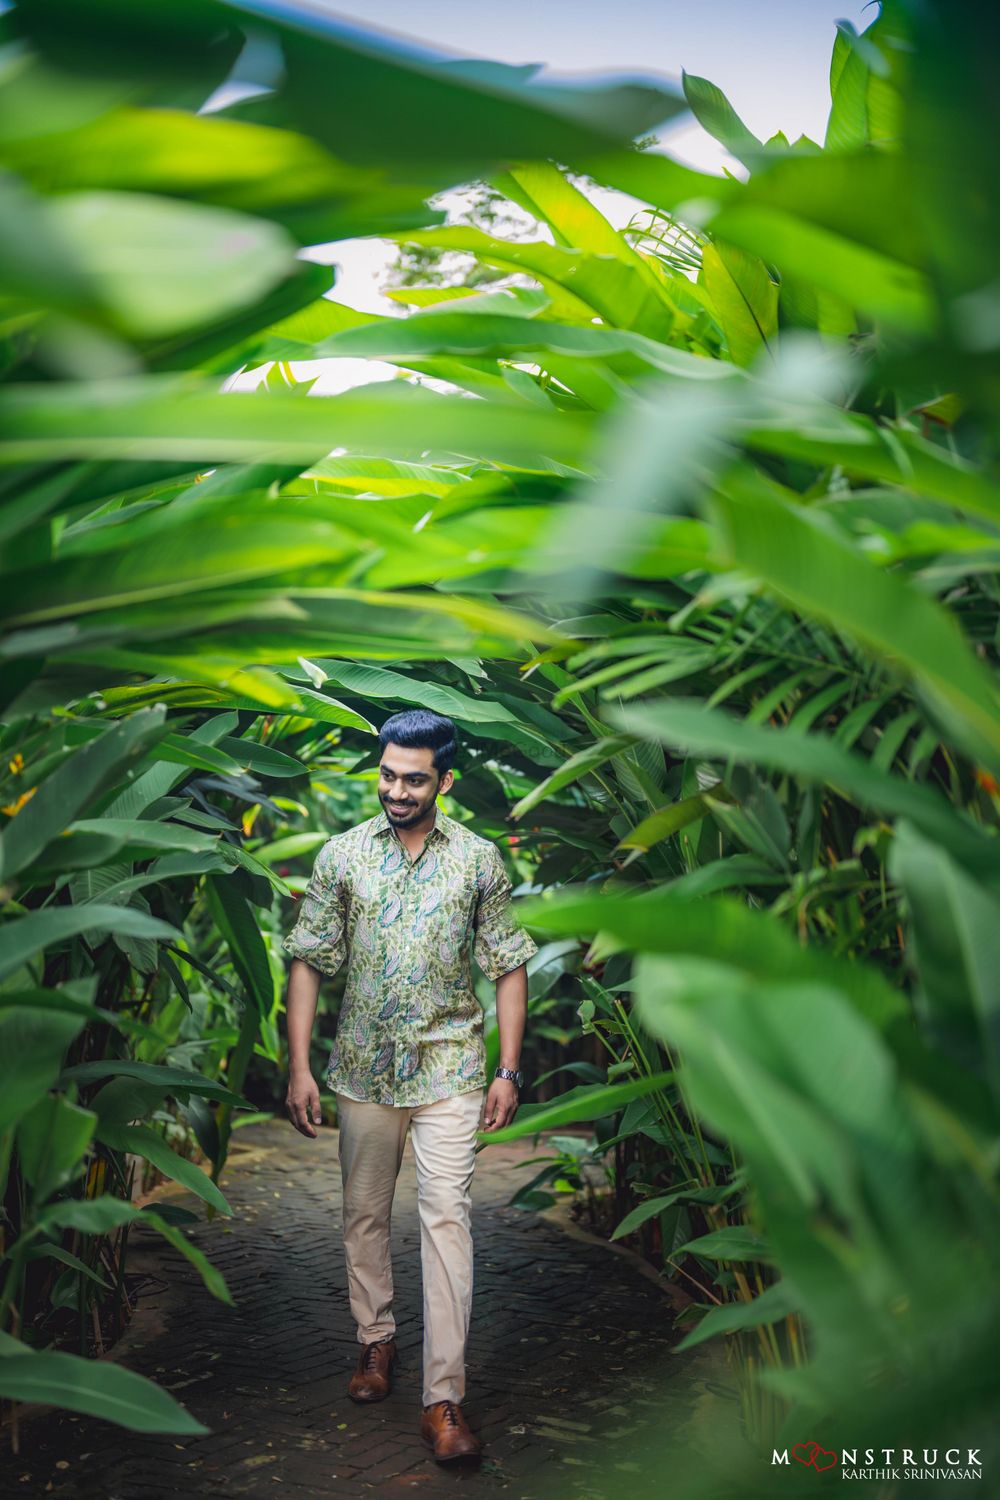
[500,943]
[319,936]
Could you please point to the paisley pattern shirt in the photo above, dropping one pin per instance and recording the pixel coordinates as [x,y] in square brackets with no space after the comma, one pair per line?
[410,1027]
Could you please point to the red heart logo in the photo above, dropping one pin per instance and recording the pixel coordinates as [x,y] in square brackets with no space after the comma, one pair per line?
[803,1453]
[823,1453]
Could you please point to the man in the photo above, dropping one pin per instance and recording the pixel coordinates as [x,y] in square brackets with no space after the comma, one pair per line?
[403,897]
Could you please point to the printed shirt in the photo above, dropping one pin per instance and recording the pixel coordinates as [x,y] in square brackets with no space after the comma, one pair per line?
[410,1028]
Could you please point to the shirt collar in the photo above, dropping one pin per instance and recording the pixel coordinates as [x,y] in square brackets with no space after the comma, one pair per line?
[442,824]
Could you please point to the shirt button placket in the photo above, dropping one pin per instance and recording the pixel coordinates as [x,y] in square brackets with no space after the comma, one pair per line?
[406,917]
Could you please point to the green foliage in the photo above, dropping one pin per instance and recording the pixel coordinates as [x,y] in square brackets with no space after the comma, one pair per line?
[705,572]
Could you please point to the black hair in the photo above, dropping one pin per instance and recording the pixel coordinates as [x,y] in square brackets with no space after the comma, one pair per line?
[420,729]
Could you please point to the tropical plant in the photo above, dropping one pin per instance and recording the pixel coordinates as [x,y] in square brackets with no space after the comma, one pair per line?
[168,609]
[694,533]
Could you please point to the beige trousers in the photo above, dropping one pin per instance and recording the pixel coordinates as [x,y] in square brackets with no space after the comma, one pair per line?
[372,1139]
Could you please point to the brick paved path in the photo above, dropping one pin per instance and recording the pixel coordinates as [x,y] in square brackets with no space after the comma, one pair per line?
[568,1361]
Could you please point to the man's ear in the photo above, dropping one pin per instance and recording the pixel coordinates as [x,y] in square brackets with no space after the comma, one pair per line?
[445,783]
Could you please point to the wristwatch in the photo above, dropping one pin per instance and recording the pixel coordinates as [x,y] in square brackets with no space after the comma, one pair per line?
[514,1074]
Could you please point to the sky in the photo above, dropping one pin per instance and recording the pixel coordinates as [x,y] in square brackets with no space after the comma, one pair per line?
[770,57]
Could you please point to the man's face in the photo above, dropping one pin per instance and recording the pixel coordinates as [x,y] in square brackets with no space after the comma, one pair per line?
[408,784]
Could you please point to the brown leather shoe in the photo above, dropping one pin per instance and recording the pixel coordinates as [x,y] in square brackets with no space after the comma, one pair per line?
[444,1428]
[372,1380]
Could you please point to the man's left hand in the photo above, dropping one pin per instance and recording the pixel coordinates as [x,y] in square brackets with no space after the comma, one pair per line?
[501,1104]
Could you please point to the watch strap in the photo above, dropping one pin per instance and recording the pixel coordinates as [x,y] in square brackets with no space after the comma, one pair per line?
[514,1074]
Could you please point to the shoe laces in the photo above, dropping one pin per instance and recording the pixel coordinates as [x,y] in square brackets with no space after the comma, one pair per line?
[451,1412]
[369,1356]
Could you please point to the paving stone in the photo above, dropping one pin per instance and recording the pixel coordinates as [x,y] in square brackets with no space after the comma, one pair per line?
[568,1358]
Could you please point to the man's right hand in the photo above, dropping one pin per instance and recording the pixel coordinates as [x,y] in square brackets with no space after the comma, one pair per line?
[302,1102]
